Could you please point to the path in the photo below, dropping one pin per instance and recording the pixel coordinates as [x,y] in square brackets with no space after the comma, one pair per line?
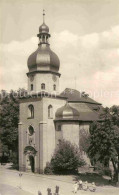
[33,182]
[9,190]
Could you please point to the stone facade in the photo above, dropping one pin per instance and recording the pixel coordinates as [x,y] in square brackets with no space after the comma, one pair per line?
[44,131]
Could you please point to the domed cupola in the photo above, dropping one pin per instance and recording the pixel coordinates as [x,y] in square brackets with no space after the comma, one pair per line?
[66,112]
[43,28]
[43,59]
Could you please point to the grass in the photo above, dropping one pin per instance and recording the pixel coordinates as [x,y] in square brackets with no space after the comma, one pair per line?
[92,177]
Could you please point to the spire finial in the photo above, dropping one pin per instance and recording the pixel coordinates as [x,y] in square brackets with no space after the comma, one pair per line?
[43,16]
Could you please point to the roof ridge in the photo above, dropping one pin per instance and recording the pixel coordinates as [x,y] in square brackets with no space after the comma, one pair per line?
[74,95]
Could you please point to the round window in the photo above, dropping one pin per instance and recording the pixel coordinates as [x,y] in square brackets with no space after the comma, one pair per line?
[31,130]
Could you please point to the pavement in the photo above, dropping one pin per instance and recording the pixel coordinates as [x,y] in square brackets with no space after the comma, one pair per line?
[30,184]
[9,190]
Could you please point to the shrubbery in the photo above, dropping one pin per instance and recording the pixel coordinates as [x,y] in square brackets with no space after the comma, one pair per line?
[102,170]
[14,160]
[66,159]
[48,169]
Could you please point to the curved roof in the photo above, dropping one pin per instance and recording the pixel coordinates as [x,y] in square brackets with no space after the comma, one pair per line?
[75,96]
[67,112]
[84,108]
[44,59]
[43,28]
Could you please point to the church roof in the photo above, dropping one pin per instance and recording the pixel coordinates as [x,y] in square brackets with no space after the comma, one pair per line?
[44,59]
[87,108]
[67,112]
[75,96]
[85,113]
[43,28]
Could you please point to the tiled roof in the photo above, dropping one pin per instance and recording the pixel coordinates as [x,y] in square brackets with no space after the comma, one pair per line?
[88,109]
[86,112]
[67,112]
[75,96]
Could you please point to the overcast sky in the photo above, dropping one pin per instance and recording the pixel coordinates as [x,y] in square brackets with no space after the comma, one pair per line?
[84,34]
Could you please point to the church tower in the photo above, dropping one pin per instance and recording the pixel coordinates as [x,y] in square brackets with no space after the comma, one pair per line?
[43,65]
[37,110]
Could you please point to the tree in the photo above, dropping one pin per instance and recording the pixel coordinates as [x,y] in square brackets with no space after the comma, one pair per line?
[66,158]
[104,141]
[84,141]
[9,118]
[9,121]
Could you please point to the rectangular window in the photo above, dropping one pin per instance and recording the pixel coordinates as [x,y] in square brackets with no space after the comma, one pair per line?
[42,86]
[31,87]
[54,87]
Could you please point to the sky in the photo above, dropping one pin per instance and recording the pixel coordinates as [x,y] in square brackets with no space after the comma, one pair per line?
[84,34]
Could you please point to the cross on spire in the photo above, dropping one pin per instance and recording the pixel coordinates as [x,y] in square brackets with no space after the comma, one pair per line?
[43,16]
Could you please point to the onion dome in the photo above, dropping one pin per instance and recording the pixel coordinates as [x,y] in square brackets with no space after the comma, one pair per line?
[67,112]
[43,28]
[43,59]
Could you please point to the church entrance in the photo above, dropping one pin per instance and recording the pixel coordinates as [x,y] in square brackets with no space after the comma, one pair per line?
[30,153]
[32,163]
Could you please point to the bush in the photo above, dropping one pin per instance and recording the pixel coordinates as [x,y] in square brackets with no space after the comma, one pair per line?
[66,158]
[102,170]
[48,169]
[14,160]
[107,171]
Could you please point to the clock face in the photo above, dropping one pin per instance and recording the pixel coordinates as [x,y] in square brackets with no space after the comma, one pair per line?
[31,77]
[54,78]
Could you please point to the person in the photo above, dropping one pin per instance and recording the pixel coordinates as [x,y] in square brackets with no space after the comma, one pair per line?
[80,184]
[92,187]
[49,191]
[57,190]
[75,187]
[85,186]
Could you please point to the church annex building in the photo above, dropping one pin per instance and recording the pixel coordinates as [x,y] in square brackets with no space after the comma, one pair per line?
[49,117]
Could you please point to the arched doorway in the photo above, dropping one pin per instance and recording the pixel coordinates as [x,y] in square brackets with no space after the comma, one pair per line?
[30,153]
[32,163]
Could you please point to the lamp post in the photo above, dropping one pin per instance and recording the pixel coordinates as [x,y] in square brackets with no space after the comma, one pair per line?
[20,176]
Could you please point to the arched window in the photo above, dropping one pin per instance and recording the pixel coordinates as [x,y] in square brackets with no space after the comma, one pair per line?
[43,86]
[50,111]
[54,87]
[31,87]
[30,111]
